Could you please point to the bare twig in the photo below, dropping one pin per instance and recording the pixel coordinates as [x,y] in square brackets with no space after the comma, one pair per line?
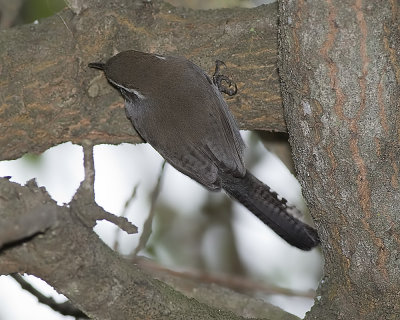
[65,308]
[84,204]
[147,226]
[123,214]
[88,163]
[121,222]
[228,281]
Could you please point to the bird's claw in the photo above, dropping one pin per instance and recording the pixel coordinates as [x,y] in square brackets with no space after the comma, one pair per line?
[218,78]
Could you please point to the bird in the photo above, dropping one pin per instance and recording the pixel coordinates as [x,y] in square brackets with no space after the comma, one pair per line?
[180,111]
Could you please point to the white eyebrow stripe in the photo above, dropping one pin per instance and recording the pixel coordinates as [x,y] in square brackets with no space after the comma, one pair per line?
[131,90]
[138,94]
[160,57]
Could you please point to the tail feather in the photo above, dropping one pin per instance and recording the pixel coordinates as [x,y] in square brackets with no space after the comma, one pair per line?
[274,212]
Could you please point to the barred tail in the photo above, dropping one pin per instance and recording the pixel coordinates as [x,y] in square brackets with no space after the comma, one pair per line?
[265,204]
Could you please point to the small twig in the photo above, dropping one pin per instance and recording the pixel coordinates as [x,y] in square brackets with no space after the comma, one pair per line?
[88,163]
[229,281]
[147,226]
[123,214]
[121,222]
[83,203]
[65,308]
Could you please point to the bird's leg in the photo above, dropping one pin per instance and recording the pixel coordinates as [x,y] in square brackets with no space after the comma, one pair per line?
[231,90]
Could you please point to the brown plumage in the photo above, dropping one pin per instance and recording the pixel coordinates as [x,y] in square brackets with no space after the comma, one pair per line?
[179,110]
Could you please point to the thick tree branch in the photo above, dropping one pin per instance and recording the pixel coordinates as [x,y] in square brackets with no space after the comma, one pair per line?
[64,308]
[49,95]
[89,273]
[17,229]
[72,258]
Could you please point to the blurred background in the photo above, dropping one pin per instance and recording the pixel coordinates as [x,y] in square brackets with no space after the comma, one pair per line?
[192,230]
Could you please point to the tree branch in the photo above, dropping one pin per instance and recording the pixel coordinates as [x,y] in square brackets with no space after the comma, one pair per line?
[90,274]
[148,223]
[17,229]
[236,283]
[83,202]
[49,95]
[65,308]
[72,258]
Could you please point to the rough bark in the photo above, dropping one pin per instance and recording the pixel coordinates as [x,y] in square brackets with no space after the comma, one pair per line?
[340,71]
[49,95]
[70,257]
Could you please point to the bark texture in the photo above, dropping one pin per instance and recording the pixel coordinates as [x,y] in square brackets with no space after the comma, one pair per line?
[78,264]
[340,71]
[49,95]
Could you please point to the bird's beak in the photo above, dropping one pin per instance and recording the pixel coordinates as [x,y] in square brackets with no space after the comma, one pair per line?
[97,65]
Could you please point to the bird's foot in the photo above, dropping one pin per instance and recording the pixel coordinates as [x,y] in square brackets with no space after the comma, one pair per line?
[218,78]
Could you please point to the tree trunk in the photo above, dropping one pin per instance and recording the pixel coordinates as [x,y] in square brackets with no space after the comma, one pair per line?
[340,71]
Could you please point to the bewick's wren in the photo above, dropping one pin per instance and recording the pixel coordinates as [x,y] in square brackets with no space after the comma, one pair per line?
[180,111]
